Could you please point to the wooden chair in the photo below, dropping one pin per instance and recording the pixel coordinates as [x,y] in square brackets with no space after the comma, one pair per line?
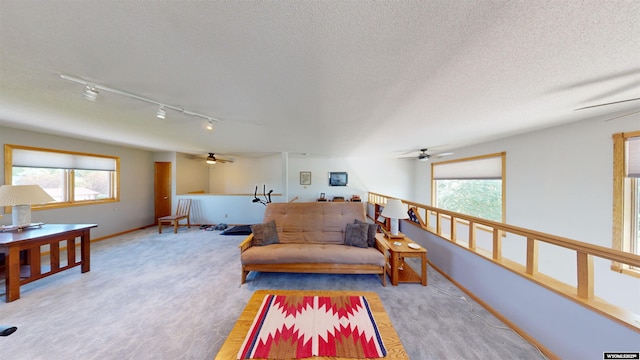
[183,212]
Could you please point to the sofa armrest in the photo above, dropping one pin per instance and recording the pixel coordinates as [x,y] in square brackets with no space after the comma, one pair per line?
[246,243]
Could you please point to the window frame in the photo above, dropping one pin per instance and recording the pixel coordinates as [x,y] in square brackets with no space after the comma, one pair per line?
[503,162]
[69,181]
[624,196]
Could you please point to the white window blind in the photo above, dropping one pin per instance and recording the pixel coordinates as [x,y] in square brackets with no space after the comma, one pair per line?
[56,160]
[485,168]
[633,157]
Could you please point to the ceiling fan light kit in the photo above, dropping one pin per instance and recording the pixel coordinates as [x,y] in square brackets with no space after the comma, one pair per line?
[91,93]
[423,155]
[211,159]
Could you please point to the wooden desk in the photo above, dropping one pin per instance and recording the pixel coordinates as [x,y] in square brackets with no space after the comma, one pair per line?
[398,270]
[31,240]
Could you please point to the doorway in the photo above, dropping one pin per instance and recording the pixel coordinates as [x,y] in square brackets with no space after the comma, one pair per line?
[162,190]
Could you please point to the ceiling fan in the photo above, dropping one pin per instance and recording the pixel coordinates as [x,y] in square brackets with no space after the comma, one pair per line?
[212,159]
[424,156]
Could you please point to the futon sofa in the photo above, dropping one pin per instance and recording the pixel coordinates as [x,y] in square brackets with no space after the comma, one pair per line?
[314,237]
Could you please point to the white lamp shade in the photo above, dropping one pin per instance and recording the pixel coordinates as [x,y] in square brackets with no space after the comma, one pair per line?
[395,210]
[11,195]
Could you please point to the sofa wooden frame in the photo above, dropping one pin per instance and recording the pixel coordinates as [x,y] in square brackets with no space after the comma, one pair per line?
[316,268]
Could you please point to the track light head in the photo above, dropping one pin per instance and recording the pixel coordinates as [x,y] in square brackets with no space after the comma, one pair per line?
[90,93]
[162,113]
[210,125]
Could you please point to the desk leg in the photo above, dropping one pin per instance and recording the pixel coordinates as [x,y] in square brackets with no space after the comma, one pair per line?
[35,261]
[12,282]
[85,251]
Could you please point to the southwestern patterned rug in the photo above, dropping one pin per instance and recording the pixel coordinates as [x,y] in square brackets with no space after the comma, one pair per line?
[296,327]
[323,324]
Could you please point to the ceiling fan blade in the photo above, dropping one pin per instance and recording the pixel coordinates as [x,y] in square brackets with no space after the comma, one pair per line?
[443,154]
[605,104]
[621,116]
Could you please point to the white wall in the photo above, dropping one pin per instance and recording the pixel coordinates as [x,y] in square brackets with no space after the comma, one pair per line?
[559,181]
[231,185]
[228,209]
[135,208]
[365,175]
[196,174]
[244,174]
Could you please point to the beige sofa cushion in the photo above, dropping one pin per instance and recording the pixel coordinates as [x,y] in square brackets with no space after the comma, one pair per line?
[312,253]
[313,223]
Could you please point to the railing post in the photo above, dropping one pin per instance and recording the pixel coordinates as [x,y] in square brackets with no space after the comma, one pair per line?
[532,256]
[472,235]
[585,275]
[439,224]
[453,229]
[497,245]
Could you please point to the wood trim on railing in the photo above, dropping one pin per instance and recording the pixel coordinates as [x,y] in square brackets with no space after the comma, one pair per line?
[497,245]
[585,275]
[583,293]
[532,256]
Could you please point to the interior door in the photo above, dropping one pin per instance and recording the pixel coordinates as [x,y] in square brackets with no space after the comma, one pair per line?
[162,191]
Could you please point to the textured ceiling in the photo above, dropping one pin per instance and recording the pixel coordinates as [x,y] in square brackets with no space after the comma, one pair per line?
[328,78]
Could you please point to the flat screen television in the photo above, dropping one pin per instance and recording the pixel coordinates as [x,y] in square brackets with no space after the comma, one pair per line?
[338,179]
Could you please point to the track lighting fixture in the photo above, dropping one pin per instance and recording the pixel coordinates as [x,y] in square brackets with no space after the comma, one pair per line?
[211,159]
[91,93]
[162,113]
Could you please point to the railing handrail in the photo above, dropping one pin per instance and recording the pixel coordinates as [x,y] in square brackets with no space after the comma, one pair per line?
[592,249]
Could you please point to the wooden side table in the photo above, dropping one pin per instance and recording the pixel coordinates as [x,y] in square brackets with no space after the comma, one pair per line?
[398,270]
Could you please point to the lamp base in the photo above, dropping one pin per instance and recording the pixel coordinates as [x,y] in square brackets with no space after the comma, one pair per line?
[5,228]
[21,215]
[389,235]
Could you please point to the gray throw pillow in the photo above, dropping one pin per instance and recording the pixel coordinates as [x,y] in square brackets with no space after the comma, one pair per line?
[264,234]
[356,235]
[371,234]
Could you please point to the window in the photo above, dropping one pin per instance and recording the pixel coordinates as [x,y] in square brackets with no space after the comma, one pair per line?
[471,186]
[70,178]
[626,196]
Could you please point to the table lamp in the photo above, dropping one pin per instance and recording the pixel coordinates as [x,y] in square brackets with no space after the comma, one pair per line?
[394,210]
[21,197]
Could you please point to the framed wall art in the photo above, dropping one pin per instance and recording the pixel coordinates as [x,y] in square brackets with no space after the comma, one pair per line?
[305,177]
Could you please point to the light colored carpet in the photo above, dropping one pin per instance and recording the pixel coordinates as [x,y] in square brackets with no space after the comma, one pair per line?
[177,296]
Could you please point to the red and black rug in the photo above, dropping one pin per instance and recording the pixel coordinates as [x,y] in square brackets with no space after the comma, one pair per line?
[296,327]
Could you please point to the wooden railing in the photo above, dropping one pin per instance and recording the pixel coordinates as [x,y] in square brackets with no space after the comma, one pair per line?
[431,219]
